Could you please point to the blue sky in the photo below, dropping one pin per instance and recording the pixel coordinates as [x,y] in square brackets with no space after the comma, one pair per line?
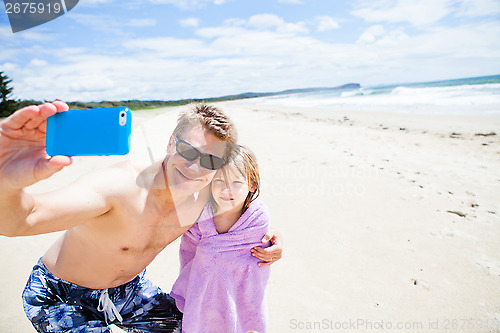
[172,49]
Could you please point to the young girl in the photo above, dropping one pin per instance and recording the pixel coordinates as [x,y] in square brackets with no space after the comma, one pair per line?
[220,287]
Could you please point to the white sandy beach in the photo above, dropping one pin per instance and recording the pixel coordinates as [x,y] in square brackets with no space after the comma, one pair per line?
[389,218]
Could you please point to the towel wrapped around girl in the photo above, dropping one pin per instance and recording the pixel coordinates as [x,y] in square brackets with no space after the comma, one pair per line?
[220,287]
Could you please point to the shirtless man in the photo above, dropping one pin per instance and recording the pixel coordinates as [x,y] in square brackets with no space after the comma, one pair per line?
[117,220]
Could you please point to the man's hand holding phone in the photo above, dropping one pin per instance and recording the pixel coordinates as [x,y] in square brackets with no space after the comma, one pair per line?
[23,158]
[39,140]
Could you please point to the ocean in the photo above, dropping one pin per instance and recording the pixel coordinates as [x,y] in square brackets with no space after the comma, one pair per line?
[472,96]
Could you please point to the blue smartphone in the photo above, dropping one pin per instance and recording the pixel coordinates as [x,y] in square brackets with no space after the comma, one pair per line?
[89,132]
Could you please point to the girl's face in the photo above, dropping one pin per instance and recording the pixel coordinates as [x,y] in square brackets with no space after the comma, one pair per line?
[230,188]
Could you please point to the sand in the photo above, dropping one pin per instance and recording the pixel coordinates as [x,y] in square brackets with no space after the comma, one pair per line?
[390,221]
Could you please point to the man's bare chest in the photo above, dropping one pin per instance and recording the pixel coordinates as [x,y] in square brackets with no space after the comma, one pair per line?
[146,224]
[149,233]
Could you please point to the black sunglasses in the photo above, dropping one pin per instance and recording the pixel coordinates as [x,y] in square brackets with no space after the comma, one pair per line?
[190,153]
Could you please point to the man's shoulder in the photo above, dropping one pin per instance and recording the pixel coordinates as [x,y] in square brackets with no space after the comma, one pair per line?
[114,180]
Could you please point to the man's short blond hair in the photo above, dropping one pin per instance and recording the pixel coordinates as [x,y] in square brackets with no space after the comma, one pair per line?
[211,119]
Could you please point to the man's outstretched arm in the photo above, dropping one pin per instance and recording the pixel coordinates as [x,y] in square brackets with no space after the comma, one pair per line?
[23,162]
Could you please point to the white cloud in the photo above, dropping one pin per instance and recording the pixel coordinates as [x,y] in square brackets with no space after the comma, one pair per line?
[467,41]
[8,67]
[189,4]
[371,34]
[142,22]
[256,23]
[93,3]
[293,28]
[38,63]
[189,22]
[274,22]
[39,35]
[8,38]
[234,22]
[395,39]
[103,22]
[93,82]
[326,23]
[265,21]
[171,47]
[213,32]
[5,30]
[474,8]
[290,1]
[417,13]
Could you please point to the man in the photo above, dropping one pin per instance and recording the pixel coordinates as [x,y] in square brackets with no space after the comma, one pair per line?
[117,220]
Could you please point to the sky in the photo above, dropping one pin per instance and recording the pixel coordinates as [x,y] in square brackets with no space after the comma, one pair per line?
[175,49]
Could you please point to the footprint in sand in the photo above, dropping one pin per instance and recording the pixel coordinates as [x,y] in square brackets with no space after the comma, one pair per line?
[492,266]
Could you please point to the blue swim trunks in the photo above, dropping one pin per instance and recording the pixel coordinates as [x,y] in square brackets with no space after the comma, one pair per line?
[55,305]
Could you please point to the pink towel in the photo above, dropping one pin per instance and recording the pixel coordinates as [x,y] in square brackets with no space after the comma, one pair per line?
[220,287]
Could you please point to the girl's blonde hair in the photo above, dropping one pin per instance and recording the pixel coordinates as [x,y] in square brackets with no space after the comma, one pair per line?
[246,163]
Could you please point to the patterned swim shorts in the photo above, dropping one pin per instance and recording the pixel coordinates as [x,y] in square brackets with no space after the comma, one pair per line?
[55,305]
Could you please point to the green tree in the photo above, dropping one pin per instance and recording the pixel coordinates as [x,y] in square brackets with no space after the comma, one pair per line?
[7,106]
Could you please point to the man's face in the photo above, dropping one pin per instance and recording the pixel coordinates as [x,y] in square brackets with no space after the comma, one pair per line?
[187,177]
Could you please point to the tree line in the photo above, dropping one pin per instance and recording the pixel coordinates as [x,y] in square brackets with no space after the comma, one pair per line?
[7,105]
